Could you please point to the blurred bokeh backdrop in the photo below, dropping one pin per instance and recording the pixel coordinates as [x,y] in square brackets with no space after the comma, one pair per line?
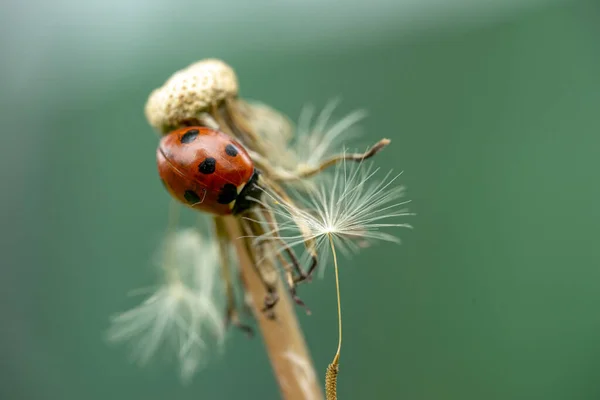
[493,109]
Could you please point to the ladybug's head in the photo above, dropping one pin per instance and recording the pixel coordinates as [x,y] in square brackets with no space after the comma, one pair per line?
[249,194]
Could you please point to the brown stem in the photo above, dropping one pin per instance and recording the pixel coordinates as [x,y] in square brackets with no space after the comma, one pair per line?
[282,336]
[357,157]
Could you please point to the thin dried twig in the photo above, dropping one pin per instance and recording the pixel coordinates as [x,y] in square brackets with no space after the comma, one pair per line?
[283,338]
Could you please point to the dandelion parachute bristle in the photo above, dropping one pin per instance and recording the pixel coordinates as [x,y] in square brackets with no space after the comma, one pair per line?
[184,311]
[350,206]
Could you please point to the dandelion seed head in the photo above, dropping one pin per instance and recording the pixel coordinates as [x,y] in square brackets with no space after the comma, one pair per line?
[189,92]
[351,206]
[184,314]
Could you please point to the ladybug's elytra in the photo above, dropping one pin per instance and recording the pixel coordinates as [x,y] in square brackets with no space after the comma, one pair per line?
[207,170]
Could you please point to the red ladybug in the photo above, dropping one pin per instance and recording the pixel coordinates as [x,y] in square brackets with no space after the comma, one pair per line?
[207,170]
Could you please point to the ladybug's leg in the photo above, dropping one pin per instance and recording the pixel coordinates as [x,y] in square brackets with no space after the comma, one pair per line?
[313,265]
[232,316]
[270,219]
[291,282]
[289,270]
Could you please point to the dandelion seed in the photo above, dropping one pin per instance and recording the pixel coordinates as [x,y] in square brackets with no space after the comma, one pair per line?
[349,206]
[315,142]
[184,313]
[342,213]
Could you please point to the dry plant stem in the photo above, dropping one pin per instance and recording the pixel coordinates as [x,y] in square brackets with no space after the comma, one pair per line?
[376,148]
[281,336]
[232,310]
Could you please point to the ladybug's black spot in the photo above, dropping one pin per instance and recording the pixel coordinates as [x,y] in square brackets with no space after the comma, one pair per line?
[189,136]
[227,194]
[191,197]
[231,150]
[207,166]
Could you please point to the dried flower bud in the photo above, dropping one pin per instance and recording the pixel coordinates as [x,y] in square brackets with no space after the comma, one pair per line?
[189,92]
[269,124]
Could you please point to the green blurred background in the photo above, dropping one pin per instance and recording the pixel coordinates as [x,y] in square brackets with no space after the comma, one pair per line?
[493,108]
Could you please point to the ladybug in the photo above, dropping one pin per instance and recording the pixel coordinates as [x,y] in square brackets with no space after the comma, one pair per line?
[207,170]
